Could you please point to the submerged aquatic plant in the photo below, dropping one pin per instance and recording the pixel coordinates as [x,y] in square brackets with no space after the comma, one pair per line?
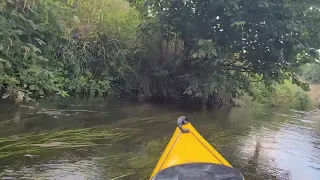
[138,163]
[37,143]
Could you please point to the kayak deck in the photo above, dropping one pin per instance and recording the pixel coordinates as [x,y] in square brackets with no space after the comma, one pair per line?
[188,148]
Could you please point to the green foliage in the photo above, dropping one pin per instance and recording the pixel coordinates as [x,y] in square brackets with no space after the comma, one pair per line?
[203,51]
[310,73]
[21,59]
[58,47]
[244,100]
[246,28]
[99,38]
[223,44]
[280,95]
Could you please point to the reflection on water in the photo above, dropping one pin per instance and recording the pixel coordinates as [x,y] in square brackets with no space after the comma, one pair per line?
[114,139]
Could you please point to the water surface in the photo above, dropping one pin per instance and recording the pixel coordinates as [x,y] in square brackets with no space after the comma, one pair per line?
[117,139]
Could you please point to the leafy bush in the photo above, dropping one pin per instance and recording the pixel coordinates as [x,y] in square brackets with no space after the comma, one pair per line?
[54,47]
[207,51]
[281,95]
[310,73]
[22,63]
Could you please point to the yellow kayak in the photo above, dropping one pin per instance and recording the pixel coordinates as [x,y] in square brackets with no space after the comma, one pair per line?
[188,156]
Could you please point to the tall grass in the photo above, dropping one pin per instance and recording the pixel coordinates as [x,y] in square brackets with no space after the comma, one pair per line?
[286,95]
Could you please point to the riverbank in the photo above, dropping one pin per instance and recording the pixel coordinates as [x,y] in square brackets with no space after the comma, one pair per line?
[286,95]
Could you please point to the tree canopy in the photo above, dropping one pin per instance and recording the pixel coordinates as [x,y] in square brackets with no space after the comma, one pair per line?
[263,37]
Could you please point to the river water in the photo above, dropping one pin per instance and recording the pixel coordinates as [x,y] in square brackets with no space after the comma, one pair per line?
[117,139]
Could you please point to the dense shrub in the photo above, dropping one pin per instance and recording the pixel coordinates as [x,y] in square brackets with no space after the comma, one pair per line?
[285,94]
[53,47]
[310,73]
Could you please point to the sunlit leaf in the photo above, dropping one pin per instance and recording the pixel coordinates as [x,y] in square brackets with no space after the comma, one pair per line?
[33,87]
[238,23]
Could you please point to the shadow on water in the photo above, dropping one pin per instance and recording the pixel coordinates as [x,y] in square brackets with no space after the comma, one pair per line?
[117,139]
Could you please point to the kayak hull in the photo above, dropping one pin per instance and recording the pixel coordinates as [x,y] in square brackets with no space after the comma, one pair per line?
[188,148]
[199,171]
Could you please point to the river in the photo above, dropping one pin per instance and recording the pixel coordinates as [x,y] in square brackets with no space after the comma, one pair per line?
[117,139]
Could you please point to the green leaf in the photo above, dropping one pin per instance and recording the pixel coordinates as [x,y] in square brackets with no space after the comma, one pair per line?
[236,6]
[34,48]
[19,32]
[41,92]
[40,41]
[238,23]
[201,42]
[63,93]
[195,55]
[33,87]
[43,58]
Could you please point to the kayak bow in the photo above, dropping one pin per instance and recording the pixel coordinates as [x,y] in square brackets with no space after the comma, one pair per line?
[189,156]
